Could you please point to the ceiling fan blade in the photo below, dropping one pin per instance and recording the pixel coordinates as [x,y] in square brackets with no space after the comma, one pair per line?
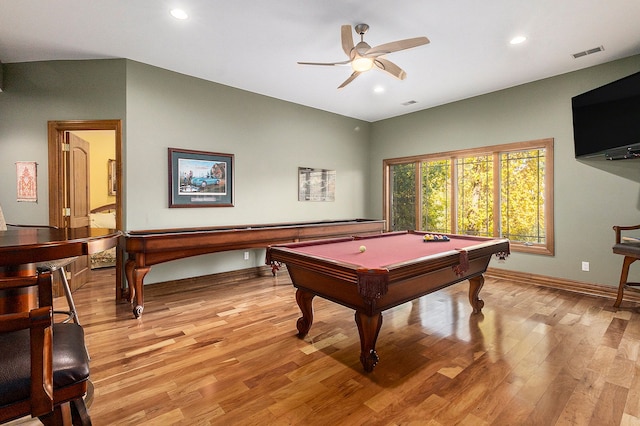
[390,68]
[347,39]
[350,79]
[325,63]
[395,46]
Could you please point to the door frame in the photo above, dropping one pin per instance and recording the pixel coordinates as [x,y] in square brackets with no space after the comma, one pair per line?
[56,172]
[57,193]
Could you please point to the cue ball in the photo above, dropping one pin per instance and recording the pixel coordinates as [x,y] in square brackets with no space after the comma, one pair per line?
[362,249]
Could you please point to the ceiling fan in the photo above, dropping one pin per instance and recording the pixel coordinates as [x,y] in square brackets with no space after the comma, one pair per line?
[363,57]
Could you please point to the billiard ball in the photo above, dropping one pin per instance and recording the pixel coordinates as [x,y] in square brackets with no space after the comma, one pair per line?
[362,249]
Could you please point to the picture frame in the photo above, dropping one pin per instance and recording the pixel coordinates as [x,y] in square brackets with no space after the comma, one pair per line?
[200,178]
[316,184]
[111,173]
[27,181]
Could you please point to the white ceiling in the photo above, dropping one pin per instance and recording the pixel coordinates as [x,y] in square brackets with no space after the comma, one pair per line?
[254,44]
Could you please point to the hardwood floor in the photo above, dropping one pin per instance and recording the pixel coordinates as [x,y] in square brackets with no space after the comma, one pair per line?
[228,354]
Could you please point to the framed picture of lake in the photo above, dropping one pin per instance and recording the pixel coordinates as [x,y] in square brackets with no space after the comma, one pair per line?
[200,178]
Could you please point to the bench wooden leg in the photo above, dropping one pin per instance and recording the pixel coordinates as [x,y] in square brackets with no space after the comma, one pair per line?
[623,278]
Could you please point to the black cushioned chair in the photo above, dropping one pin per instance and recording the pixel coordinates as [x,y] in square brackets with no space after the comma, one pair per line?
[630,249]
[44,368]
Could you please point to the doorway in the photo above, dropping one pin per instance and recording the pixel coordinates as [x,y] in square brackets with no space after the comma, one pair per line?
[63,188]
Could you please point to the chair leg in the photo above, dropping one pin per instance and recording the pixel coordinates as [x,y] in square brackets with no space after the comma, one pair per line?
[623,279]
[79,413]
[60,416]
[70,413]
[72,306]
[69,297]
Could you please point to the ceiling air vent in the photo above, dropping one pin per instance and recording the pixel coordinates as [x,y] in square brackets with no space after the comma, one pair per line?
[409,103]
[588,52]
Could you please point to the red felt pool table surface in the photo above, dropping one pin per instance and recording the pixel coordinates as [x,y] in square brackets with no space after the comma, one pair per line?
[393,269]
[386,250]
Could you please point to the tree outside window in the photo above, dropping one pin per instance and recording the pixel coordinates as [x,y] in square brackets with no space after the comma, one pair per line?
[474,177]
[499,191]
[436,196]
[403,197]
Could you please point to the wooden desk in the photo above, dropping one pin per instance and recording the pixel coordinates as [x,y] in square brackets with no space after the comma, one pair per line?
[151,247]
[22,247]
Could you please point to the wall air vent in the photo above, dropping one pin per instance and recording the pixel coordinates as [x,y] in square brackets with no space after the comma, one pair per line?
[588,52]
[409,103]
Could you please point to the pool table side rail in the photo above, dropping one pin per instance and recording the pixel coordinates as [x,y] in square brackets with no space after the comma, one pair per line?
[437,261]
[343,287]
[330,267]
[346,284]
[400,270]
[405,290]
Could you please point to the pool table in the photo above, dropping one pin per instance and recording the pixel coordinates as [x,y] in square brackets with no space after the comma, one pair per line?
[374,273]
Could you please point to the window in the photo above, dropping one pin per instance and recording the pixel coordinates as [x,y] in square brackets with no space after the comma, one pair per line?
[475,195]
[498,191]
[403,197]
[436,196]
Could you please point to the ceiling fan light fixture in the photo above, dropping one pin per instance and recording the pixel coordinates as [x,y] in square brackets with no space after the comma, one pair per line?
[179,14]
[361,64]
[362,57]
[518,40]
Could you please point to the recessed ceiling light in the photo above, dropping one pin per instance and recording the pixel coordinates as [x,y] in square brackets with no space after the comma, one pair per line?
[378,89]
[179,14]
[518,40]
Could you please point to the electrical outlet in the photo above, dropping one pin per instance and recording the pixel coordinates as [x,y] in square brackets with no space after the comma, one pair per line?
[585,266]
[246,255]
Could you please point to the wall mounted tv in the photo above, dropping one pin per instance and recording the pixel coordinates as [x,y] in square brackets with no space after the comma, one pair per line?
[606,120]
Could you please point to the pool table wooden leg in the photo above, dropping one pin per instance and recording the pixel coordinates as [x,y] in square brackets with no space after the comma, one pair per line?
[368,327]
[475,285]
[305,303]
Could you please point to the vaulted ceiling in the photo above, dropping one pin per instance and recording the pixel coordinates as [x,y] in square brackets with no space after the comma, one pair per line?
[255,45]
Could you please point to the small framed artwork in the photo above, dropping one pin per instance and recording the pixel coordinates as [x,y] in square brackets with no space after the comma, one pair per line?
[112,177]
[200,179]
[316,184]
[26,176]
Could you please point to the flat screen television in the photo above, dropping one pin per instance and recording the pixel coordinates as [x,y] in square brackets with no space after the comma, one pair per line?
[606,120]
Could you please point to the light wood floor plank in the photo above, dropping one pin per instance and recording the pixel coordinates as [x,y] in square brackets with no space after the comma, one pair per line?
[227,354]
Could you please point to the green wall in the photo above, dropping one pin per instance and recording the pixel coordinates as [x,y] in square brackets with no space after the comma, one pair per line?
[37,92]
[271,139]
[590,197]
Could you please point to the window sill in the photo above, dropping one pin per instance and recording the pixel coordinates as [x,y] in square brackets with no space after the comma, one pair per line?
[532,249]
